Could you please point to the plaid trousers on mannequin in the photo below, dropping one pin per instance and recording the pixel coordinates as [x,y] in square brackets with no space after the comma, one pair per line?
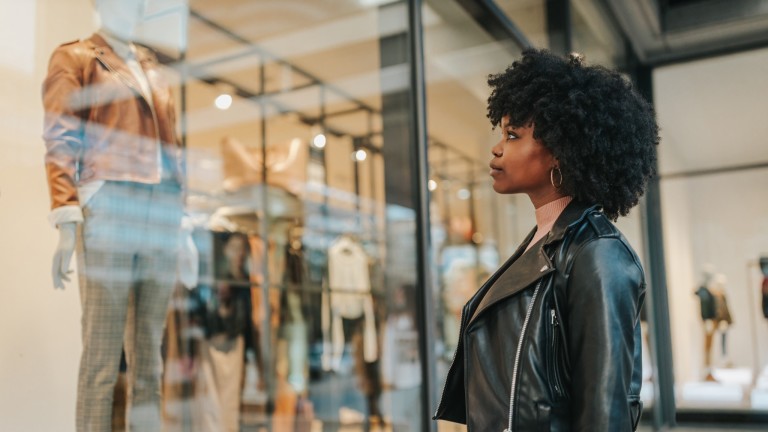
[127,249]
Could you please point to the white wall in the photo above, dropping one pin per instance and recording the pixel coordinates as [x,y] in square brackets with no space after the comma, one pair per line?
[39,327]
[721,220]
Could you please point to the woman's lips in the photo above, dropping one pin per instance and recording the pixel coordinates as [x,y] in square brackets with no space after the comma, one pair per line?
[494,170]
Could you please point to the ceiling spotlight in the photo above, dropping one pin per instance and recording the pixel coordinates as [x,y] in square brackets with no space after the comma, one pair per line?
[319,141]
[431,185]
[463,194]
[223,101]
[361,155]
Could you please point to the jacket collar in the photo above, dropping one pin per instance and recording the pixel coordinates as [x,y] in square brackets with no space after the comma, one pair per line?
[113,62]
[573,214]
[525,268]
[141,52]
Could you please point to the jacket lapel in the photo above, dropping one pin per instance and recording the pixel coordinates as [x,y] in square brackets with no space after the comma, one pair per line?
[110,60]
[527,269]
[473,302]
[523,269]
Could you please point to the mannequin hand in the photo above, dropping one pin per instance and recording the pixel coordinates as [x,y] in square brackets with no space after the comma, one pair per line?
[63,255]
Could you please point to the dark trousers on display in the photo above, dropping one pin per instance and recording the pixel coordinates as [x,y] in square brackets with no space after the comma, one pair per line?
[126,251]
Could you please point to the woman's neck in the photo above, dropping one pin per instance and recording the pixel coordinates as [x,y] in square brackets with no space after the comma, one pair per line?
[546,215]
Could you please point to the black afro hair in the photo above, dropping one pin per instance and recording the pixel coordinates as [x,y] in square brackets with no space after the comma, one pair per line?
[602,132]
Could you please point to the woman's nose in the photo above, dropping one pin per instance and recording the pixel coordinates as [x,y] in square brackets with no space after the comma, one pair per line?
[496,151]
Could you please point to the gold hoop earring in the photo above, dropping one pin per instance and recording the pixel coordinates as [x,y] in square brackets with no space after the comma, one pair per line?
[552,177]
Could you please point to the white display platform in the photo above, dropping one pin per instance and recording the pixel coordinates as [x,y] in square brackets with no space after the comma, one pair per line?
[762,380]
[740,376]
[716,392]
[646,393]
[759,398]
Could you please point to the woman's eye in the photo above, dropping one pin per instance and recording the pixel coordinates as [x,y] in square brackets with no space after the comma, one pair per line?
[511,136]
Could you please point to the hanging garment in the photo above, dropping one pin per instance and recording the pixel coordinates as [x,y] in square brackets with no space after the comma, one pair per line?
[293,324]
[722,314]
[286,165]
[707,302]
[350,297]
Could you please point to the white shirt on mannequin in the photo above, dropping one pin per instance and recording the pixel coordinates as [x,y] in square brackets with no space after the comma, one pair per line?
[350,297]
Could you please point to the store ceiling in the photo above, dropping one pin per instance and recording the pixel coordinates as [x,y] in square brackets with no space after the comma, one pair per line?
[664,31]
[712,113]
[337,43]
[331,41]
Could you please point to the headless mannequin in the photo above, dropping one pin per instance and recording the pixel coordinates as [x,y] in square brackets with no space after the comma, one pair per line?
[115,178]
[715,314]
[118,18]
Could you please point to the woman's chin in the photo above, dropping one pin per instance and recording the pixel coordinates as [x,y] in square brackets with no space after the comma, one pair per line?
[498,188]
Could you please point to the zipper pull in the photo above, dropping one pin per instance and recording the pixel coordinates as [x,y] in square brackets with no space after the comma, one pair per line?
[553,315]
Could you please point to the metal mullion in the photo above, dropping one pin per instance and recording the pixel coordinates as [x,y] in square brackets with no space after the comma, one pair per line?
[426,318]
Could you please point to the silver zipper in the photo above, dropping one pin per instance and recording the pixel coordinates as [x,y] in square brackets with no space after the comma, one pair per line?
[458,345]
[517,355]
[555,323]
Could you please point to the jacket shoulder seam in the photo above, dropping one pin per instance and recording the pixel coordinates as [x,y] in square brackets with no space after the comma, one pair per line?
[613,236]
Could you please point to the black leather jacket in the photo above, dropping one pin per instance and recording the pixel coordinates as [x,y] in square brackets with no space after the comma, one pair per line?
[551,342]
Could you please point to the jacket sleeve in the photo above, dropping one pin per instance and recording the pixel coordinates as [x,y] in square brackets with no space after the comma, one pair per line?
[605,292]
[63,125]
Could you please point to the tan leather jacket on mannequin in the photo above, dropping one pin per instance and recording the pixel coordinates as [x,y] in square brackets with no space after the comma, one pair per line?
[98,123]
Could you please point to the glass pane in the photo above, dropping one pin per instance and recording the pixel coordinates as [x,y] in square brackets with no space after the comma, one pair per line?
[530,16]
[281,131]
[716,281]
[715,231]
[303,168]
[472,228]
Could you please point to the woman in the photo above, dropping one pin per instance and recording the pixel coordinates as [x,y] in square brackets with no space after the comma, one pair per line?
[551,342]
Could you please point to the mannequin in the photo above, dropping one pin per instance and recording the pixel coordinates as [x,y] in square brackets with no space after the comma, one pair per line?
[115,174]
[714,314]
[228,334]
[286,165]
[723,318]
[348,316]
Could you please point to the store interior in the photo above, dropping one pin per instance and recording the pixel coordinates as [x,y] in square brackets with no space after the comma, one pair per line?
[281,108]
[715,276]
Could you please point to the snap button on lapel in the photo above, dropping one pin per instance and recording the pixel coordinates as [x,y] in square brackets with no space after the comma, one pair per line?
[543,269]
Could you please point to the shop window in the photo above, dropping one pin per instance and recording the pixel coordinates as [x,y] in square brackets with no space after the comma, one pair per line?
[715,242]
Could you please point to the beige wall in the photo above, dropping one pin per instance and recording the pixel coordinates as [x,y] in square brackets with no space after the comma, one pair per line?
[39,327]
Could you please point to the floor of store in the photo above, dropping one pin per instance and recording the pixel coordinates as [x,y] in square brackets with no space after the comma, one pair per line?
[710,428]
